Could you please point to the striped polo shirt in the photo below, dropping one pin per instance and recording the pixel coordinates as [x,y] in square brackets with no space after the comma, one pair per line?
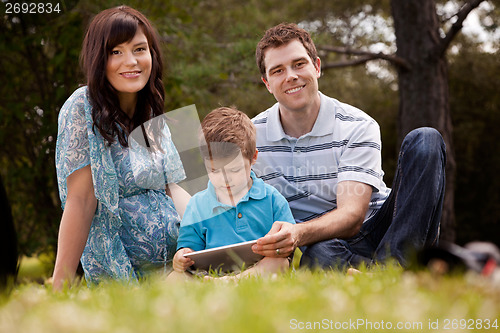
[344,144]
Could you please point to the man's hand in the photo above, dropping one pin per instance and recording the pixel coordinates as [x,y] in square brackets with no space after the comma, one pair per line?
[280,241]
[181,263]
[353,199]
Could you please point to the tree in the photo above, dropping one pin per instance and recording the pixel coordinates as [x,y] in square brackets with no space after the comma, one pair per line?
[423,81]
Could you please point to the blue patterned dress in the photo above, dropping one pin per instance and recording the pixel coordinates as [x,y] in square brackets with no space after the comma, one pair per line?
[135,227]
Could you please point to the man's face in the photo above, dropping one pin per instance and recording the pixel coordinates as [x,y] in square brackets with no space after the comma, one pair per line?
[292,77]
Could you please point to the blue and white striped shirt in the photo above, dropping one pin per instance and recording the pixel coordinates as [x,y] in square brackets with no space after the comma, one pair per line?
[344,144]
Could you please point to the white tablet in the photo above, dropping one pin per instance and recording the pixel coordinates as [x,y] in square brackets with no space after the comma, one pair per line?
[226,258]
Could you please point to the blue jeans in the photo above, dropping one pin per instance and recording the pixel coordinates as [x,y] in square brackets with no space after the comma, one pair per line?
[408,220]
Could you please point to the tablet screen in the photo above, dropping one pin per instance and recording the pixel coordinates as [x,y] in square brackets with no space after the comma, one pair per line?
[226,258]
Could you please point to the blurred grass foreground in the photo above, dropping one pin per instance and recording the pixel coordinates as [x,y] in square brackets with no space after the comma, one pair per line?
[383,300]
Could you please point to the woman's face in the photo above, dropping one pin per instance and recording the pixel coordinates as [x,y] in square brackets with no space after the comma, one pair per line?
[129,65]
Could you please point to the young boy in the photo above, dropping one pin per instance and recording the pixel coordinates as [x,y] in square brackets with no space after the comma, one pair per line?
[237,206]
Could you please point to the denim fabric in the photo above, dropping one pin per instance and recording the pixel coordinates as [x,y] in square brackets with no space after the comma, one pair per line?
[408,220]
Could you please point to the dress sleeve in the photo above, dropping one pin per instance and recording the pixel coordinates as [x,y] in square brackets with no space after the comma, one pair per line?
[172,164]
[72,146]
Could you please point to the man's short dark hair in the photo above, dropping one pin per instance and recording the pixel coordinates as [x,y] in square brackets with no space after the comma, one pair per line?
[280,35]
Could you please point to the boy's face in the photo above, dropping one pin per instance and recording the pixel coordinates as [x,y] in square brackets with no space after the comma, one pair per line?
[230,176]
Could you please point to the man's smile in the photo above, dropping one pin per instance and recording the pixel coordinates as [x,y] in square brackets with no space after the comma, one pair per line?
[294,90]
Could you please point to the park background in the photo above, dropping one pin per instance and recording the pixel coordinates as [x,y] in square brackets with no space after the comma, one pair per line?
[209,51]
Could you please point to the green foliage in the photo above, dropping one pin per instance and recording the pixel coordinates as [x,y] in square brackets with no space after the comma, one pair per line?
[212,58]
[279,304]
[39,57]
[475,105]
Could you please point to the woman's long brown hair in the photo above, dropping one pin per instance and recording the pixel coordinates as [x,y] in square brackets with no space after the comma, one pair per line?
[108,29]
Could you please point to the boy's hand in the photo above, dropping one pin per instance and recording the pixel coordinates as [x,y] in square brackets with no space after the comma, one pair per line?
[181,263]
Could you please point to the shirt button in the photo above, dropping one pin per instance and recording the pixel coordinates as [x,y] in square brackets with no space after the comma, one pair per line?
[240,215]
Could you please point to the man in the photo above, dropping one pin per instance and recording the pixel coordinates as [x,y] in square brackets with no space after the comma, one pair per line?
[324,156]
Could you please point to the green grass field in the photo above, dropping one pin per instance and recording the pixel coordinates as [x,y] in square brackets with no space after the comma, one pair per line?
[388,300]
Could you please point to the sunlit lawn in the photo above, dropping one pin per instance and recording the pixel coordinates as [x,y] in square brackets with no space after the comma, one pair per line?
[299,301]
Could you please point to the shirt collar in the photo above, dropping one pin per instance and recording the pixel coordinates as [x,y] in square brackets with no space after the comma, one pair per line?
[256,192]
[323,126]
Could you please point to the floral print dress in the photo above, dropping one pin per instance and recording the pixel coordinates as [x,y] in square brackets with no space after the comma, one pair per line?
[135,227]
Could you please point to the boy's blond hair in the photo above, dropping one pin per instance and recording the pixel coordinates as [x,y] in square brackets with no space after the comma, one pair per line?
[227,131]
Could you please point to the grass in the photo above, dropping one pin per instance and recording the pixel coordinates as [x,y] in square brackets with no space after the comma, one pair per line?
[298,301]
[35,269]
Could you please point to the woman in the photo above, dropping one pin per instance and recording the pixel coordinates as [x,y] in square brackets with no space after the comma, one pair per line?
[119,226]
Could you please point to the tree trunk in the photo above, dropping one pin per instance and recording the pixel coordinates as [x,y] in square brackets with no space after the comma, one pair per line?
[423,86]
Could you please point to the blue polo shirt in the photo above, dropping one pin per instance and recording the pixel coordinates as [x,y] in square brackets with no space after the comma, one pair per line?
[207,223]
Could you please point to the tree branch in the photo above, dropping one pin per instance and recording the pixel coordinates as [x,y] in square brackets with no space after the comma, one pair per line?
[364,56]
[348,63]
[457,26]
